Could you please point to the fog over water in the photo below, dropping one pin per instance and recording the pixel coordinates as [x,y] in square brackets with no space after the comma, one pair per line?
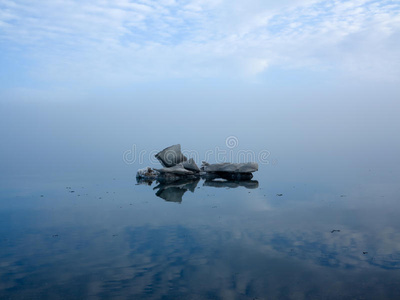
[328,131]
[319,220]
[90,91]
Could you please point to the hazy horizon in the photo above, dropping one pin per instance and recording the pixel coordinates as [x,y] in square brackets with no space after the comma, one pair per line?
[91,90]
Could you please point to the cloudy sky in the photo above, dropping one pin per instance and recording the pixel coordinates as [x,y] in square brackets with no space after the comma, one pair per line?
[68,44]
[289,76]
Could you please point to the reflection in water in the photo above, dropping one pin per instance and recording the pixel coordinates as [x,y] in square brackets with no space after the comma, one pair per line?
[232,244]
[173,191]
[248,184]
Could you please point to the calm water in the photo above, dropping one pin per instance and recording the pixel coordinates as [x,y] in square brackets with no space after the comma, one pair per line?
[103,236]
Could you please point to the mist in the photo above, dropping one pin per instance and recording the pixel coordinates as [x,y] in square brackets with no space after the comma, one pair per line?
[312,127]
[305,92]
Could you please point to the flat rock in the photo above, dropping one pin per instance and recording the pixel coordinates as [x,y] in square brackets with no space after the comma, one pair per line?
[177,170]
[230,167]
[171,156]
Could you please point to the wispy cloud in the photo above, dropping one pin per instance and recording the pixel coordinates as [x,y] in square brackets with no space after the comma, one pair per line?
[123,41]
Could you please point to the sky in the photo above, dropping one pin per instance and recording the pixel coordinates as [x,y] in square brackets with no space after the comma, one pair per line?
[97,76]
[64,44]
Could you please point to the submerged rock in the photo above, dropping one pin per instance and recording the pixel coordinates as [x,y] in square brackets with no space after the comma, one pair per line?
[171,156]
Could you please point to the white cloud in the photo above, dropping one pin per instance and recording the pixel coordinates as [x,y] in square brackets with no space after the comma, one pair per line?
[127,41]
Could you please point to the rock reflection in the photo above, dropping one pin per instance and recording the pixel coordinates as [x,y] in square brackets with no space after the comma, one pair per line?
[248,184]
[173,190]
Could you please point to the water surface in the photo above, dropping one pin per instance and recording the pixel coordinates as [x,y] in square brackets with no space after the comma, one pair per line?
[101,236]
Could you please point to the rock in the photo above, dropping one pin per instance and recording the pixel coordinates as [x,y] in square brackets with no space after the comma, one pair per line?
[147,173]
[177,170]
[177,167]
[227,176]
[171,156]
[191,165]
[230,167]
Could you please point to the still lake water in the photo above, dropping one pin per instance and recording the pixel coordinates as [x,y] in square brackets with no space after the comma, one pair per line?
[107,237]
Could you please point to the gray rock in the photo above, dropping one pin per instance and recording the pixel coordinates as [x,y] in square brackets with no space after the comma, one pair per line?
[227,176]
[230,167]
[171,156]
[176,170]
[191,165]
[147,173]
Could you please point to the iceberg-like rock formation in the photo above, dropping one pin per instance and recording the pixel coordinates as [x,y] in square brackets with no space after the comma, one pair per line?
[171,156]
[179,174]
[177,166]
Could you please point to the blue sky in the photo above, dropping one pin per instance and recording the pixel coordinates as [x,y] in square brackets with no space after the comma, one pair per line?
[66,45]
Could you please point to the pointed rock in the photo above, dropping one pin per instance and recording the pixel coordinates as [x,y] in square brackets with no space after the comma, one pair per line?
[191,165]
[171,156]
